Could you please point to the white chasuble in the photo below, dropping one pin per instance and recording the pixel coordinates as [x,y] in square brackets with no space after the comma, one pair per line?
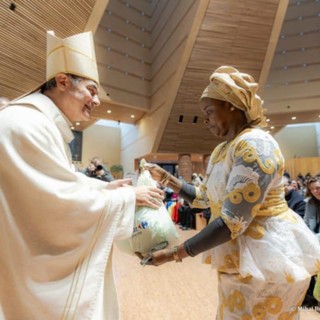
[57,225]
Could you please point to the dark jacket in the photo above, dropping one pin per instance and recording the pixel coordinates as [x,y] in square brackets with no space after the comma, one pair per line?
[296,202]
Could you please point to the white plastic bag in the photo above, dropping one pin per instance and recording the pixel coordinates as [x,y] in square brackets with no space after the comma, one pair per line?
[152,226]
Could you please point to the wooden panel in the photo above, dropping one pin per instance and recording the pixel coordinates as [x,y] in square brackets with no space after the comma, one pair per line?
[303,166]
[297,42]
[293,91]
[301,8]
[121,45]
[293,74]
[167,68]
[309,105]
[296,57]
[23,38]
[123,63]
[117,23]
[236,31]
[307,24]
[233,32]
[167,27]
[130,13]
[142,6]
[158,12]
[120,95]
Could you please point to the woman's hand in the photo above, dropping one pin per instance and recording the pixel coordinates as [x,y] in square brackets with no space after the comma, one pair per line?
[157,258]
[162,256]
[156,171]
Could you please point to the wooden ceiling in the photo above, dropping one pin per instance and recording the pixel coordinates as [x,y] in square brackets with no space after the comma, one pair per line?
[142,44]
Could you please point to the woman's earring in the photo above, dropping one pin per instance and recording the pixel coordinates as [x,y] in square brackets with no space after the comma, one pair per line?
[232,109]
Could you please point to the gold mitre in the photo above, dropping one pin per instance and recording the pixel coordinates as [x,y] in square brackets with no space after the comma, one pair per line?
[74,55]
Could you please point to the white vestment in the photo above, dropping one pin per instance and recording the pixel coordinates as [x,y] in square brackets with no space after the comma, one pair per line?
[57,226]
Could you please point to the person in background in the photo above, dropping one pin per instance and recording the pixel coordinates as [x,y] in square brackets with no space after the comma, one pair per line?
[58,226]
[107,176]
[286,174]
[90,170]
[264,253]
[195,180]
[101,174]
[294,199]
[297,185]
[312,219]
[312,212]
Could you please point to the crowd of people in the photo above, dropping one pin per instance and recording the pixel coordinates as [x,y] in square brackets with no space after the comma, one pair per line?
[303,197]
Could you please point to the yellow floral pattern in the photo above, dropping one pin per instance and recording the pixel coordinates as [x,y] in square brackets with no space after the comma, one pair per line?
[236,300]
[231,261]
[289,277]
[273,304]
[249,155]
[255,230]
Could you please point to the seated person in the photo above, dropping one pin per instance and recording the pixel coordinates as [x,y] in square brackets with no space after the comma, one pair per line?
[97,161]
[312,219]
[312,212]
[90,170]
[294,199]
[101,174]
[296,185]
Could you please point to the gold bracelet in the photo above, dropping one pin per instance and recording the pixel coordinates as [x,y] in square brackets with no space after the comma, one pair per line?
[165,180]
[176,255]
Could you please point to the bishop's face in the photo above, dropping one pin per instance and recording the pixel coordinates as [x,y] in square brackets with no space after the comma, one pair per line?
[80,99]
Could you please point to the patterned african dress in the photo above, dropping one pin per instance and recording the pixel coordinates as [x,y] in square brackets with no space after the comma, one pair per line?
[265,270]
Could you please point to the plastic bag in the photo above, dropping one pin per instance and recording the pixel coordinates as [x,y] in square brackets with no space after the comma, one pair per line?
[152,227]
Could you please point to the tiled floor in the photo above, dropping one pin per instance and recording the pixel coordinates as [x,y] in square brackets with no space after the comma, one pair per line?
[173,291]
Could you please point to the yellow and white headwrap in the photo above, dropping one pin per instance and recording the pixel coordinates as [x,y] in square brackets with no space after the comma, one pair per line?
[230,85]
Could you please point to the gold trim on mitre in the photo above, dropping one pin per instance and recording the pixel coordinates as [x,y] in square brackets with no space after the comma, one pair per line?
[74,55]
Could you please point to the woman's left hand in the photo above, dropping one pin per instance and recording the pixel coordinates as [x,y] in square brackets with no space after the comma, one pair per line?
[158,258]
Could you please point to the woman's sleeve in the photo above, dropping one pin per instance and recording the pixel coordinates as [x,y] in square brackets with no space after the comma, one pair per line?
[195,196]
[256,162]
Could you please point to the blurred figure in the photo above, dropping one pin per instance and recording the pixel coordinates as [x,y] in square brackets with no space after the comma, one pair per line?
[296,185]
[195,180]
[90,170]
[101,174]
[294,199]
[107,176]
[312,212]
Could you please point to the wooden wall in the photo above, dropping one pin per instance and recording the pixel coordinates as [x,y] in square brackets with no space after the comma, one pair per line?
[303,166]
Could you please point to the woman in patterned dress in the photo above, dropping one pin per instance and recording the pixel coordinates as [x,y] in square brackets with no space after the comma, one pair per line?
[263,252]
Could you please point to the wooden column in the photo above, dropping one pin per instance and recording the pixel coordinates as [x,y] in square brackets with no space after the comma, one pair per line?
[206,158]
[185,166]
